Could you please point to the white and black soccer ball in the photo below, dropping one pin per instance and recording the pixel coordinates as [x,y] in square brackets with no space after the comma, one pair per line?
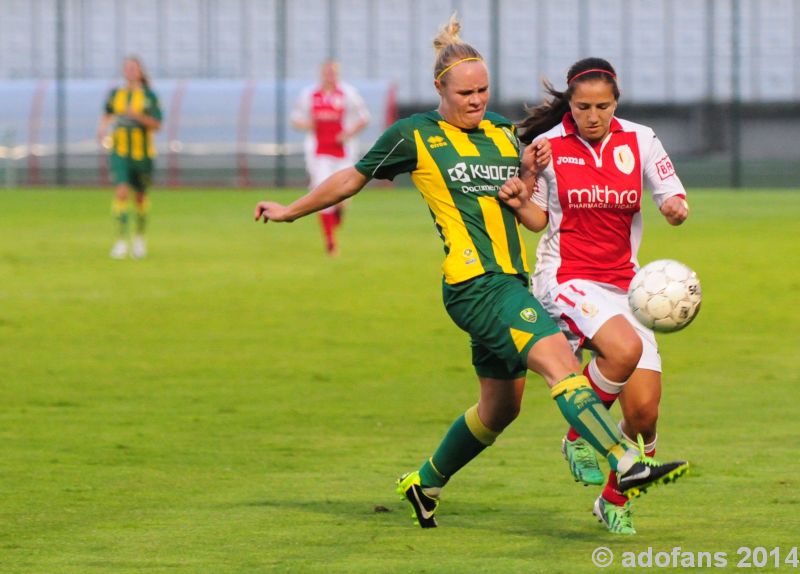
[665,295]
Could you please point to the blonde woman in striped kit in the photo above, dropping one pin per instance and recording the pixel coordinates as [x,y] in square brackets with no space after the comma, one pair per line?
[133,113]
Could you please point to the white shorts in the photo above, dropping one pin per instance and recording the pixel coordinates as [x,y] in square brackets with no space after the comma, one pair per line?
[321,167]
[581,307]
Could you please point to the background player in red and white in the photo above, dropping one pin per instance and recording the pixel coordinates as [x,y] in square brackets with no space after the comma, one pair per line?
[589,201]
[333,112]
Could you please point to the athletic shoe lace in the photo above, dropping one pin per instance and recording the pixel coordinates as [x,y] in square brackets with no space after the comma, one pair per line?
[643,458]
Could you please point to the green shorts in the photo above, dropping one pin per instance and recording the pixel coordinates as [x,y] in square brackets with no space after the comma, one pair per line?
[137,174]
[503,319]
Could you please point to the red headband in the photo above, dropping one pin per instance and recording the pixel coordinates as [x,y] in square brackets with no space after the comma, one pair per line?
[579,74]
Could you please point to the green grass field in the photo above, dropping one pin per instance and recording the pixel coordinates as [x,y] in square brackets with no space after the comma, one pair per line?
[239,402]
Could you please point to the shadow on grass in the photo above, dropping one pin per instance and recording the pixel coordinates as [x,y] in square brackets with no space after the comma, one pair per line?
[510,519]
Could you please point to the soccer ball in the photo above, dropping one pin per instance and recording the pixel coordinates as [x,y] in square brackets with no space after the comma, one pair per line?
[665,295]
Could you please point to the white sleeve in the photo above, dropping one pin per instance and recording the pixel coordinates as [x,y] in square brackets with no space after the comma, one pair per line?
[357,110]
[659,173]
[301,110]
[539,196]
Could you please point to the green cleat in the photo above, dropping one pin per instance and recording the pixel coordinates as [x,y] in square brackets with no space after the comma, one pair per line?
[582,461]
[647,472]
[424,504]
[616,518]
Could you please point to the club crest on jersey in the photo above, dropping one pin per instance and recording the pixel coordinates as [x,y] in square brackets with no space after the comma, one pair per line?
[529,315]
[588,309]
[436,141]
[459,173]
[624,159]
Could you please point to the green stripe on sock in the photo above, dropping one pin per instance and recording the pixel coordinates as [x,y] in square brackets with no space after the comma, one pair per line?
[598,428]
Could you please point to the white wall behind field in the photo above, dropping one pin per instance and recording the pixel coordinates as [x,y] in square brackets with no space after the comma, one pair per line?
[666,51]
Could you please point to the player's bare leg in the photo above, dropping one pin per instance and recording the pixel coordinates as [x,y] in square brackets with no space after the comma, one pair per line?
[618,348]
[640,400]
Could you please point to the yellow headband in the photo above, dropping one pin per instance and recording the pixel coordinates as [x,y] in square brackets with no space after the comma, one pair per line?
[456,63]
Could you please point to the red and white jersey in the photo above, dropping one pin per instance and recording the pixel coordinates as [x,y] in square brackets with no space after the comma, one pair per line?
[331,112]
[592,195]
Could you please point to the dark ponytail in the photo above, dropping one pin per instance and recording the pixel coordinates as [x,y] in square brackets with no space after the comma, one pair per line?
[549,114]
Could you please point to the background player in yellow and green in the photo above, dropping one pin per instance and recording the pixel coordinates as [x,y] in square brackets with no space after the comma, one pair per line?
[134,114]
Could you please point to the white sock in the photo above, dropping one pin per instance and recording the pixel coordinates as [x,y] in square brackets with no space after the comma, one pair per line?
[625,463]
[603,382]
[648,447]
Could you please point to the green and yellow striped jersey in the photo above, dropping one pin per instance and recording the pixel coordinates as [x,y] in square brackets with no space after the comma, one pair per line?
[131,139]
[459,173]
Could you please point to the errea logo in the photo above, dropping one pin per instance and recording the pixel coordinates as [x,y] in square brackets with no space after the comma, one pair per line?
[436,141]
[511,137]
[459,173]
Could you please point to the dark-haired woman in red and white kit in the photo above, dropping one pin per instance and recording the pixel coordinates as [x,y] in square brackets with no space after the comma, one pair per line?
[588,202]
